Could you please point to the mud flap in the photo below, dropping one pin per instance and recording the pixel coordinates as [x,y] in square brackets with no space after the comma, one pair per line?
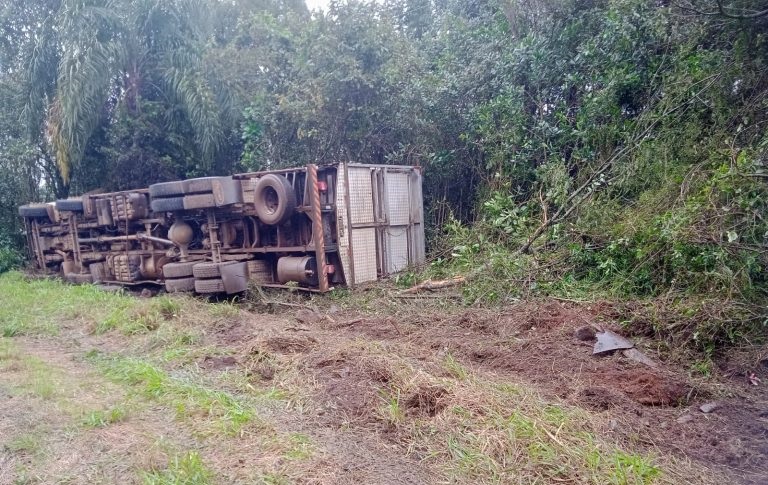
[235,277]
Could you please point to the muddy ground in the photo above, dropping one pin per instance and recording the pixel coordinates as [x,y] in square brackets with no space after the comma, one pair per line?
[337,363]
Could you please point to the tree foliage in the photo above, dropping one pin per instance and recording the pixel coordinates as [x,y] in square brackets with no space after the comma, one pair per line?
[618,143]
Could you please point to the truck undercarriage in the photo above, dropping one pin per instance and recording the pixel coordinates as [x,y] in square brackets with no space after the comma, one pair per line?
[309,227]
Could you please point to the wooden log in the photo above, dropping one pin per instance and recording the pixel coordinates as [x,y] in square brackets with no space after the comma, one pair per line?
[432,285]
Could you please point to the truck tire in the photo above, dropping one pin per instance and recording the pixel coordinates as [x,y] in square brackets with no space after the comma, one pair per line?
[34,210]
[259,271]
[215,285]
[209,270]
[180,285]
[204,185]
[98,272]
[166,189]
[199,201]
[78,278]
[178,270]
[274,199]
[71,205]
[170,204]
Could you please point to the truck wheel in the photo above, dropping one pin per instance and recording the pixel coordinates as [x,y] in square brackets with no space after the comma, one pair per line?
[259,271]
[71,205]
[199,201]
[33,210]
[179,285]
[171,204]
[98,272]
[178,270]
[209,270]
[209,286]
[274,199]
[204,185]
[78,278]
[166,189]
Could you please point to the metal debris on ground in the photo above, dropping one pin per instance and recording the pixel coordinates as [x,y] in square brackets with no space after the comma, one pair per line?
[709,407]
[637,356]
[608,341]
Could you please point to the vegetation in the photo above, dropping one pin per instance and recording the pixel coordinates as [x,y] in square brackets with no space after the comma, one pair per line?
[126,410]
[601,148]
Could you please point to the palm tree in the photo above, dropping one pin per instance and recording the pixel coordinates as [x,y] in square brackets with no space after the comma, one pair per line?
[92,55]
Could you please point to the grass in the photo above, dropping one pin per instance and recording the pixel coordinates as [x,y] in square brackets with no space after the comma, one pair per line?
[103,418]
[454,368]
[188,398]
[134,316]
[40,306]
[300,447]
[187,469]
[39,379]
[501,443]
[392,411]
[24,443]
[498,432]
[478,428]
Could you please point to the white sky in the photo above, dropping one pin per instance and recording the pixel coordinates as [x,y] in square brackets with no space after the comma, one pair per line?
[315,4]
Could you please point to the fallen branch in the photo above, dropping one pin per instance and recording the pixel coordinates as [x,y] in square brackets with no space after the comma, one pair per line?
[431,285]
[425,296]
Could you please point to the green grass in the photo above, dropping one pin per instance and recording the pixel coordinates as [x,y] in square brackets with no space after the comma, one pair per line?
[300,447]
[454,368]
[499,432]
[186,397]
[133,316]
[391,409]
[103,418]
[24,443]
[187,469]
[40,306]
[39,378]
[37,307]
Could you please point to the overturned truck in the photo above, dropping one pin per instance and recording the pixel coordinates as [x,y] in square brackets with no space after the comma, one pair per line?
[309,227]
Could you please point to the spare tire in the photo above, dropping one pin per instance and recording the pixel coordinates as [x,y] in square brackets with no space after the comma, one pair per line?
[274,198]
[166,189]
[171,204]
[209,286]
[34,210]
[179,285]
[78,278]
[209,270]
[178,270]
[71,205]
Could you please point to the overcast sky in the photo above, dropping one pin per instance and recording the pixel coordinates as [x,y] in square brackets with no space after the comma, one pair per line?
[314,4]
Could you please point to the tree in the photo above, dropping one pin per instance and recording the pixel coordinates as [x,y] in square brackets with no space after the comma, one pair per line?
[107,56]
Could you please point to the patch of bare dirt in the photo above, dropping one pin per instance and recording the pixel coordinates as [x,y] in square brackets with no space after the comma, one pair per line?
[427,401]
[350,384]
[218,362]
[548,344]
[290,344]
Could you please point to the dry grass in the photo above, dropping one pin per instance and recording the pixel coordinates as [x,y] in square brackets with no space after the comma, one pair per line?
[133,400]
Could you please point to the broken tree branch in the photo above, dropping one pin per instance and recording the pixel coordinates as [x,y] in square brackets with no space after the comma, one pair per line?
[431,285]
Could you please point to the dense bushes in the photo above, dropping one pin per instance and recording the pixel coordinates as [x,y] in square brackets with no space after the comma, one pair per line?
[10,256]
